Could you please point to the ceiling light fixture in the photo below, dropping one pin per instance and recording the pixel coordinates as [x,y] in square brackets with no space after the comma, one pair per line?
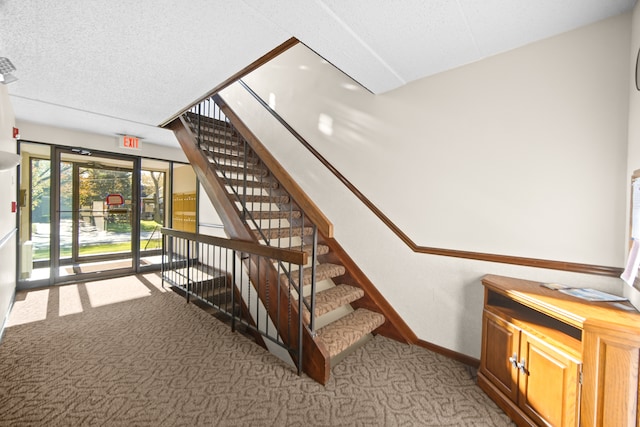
[6,67]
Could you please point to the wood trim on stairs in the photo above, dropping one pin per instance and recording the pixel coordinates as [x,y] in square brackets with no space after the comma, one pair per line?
[307,205]
[395,327]
[480,256]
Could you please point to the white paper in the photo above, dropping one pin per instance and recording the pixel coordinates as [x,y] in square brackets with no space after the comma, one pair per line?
[633,262]
[592,294]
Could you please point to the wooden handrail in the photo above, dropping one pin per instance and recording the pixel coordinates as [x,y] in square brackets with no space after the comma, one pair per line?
[504,259]
[271,252]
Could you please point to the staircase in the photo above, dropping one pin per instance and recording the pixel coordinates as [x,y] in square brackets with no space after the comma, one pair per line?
[342,308]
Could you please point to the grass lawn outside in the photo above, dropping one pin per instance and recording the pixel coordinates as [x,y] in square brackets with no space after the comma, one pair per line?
[111,247]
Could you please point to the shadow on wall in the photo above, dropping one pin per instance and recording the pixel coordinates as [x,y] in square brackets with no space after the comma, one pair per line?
[472,305]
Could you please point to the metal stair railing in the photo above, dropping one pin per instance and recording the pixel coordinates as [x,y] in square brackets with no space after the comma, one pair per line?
[263,204]
[225,274]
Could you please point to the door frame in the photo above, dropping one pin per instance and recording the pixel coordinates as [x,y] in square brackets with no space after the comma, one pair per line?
[55,263]
[54,277]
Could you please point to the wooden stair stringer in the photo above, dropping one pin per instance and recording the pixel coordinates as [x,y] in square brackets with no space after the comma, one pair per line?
[210,181]
[394,327]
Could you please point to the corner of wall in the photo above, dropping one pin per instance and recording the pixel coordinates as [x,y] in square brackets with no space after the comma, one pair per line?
[8,180]
[633,147]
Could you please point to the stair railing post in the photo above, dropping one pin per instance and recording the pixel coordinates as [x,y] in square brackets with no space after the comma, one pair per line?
[188,271]
[233,290]
[199,127]
[300,317]
[312,297]
[244,183]
[163,264]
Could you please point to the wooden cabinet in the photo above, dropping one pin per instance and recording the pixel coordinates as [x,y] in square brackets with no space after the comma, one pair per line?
[549,359]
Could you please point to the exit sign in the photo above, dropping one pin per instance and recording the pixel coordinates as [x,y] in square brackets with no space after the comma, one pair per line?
[130,142]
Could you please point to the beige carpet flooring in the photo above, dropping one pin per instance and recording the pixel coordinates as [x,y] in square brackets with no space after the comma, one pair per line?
[125,352]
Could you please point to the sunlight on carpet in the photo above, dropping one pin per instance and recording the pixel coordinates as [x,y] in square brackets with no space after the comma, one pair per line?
[38,305]
[30,307]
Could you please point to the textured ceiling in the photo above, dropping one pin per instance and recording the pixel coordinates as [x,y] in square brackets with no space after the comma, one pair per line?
[125,67]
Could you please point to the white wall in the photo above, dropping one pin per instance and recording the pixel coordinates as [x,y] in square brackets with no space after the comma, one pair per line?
[8,179]
[633,155]
[184,179]
[520,154]
[209,221]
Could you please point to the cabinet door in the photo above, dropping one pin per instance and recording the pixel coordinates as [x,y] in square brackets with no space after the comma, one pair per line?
[611,390]
[499,343]
[549,383]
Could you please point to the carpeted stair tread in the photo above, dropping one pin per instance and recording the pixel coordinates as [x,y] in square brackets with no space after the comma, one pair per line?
[346,331]
[219,139]
[308,249]
[225,150]
[276,214]
[196,118]
[229,151]
[251,183]
[323,271]
[283,233]
[209,126]
[222,159]
[257,198]
[332,298]
[216,133]
[254,171]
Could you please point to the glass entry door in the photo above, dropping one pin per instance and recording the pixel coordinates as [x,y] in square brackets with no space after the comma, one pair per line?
[153,213]
[96,214]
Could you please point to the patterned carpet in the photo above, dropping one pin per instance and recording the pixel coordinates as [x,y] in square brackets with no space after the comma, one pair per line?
[126,352]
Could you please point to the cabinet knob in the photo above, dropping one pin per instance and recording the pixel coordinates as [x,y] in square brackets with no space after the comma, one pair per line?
[521,366]
[514,361]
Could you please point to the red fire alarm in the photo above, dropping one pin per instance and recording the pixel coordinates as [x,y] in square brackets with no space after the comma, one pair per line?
[16,133]
[13,207]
